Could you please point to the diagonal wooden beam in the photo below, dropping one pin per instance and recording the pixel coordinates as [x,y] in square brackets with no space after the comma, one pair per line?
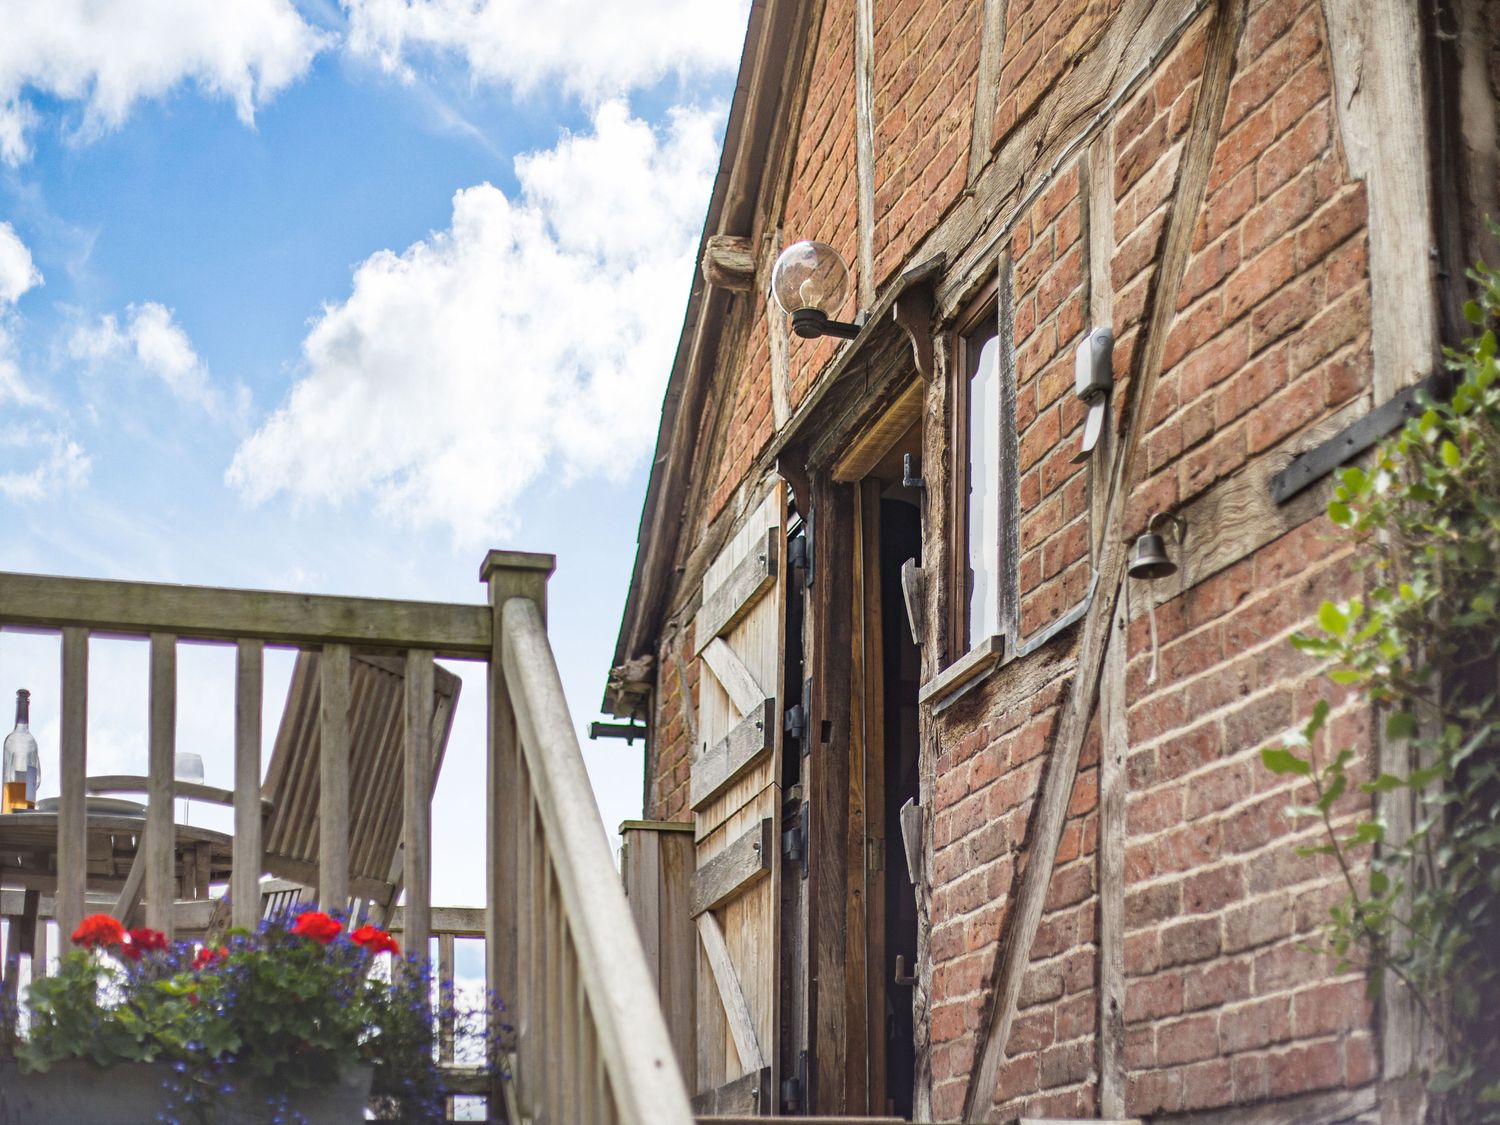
[1078,707]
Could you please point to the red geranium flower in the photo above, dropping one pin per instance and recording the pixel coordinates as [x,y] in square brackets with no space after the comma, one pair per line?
[375,941]
[206,956]
[147,940]
[129,950]
[316,925]
[98,930]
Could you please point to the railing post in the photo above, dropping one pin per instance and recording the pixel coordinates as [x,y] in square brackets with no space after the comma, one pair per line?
[244,887]
[509,574]
[417,798]
[160,843]
[333,778]
[72,813]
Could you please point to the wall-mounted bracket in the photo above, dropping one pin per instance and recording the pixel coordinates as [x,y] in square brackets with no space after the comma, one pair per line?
[1093,377]
[912,310]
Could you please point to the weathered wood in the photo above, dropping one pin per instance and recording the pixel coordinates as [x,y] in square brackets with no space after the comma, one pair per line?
[739,751]
[778,337]
[185,790]
[678,944]
[1050,814]
[913,310]
[911,840]
[635,1049]
[914,596]
[828,782]
[734,870]
[729,262]
[141,608]
[977,662]
[864,149]
[160,868]
[333,777]
[738,594]
[506,825]
[244,883]
[987,85]
[733,676]
[731,995]
[748,1094]
[1114,750]
[456,921]
[72,815]
[1305,1109]
[417,800]
[1376,49]
[872,443]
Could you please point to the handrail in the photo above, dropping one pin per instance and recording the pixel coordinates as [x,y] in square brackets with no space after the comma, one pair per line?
[616,1004]
[108,607]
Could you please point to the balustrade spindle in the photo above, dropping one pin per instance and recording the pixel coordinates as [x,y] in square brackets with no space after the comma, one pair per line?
[244,887]
[161,865]
[417,760]
[333,778]
[72,806]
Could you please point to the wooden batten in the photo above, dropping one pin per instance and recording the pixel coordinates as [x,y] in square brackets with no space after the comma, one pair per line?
[738,682]
[738,594]
[735,869]
[749,1094]
[741,1024]
[733,755]
[249,857]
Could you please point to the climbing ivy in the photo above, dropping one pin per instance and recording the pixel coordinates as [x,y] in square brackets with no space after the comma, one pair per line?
[1422,908]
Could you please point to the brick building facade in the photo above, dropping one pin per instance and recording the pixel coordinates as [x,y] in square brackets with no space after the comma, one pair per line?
[1095,886]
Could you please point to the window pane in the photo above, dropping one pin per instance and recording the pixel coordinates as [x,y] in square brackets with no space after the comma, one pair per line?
[984,490]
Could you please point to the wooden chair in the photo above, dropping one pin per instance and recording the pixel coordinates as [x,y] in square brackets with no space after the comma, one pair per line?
[290,793]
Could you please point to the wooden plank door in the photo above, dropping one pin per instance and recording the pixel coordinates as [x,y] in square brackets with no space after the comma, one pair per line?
[738,635]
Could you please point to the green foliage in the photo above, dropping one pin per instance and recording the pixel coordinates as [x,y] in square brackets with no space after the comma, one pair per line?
[276,1010]
[1423,912]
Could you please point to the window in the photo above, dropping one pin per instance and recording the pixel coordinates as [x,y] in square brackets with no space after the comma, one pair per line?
[983,474]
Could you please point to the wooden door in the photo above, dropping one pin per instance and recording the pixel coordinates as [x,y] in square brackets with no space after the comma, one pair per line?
[738,634]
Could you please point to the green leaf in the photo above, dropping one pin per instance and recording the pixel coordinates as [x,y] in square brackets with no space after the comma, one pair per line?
[1400,725]
[1450,454]
[1334,791]
[1280,760]
[1339,513]
[1473,313]
[1380,882]
[1332,619]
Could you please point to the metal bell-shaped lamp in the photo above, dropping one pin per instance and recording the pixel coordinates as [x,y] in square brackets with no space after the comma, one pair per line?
[1148,557]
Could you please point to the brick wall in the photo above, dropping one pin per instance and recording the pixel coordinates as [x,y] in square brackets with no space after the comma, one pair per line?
[1050,264]
[925,60]
[667,795]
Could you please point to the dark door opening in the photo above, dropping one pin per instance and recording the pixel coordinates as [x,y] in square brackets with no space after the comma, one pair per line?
[900,540]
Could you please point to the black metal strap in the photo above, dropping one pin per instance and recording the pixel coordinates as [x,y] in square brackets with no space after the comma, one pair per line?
[1357,437]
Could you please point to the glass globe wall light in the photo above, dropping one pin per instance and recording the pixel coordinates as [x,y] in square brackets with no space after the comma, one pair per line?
[810,281]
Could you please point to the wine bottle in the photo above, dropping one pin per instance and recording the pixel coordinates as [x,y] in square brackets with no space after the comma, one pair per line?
[22,769]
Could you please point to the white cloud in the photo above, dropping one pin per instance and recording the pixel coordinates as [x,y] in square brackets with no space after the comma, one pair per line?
[17,271]
[592,47]
[532,332]
[112,53]
[17,274]
[155,343]
[55,463]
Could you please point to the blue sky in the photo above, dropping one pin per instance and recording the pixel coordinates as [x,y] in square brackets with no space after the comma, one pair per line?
[334,298]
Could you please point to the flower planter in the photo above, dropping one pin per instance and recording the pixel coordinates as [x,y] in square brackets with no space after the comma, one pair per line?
[137,1093]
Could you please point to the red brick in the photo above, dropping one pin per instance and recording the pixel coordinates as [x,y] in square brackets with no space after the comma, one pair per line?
[1186,1040]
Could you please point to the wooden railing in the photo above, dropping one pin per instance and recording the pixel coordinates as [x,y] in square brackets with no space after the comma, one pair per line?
[591,1045]
[591,1042]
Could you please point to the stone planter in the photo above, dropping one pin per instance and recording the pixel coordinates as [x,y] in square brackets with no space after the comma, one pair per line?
[136,1093]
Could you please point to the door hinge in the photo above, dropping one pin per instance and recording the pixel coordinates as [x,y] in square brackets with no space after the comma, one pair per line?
[796,551]
[795,722]
[794,840]
[792,1088]
[807,535]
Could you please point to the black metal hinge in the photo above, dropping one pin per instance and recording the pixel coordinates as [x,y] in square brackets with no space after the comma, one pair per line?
[794,840]
[795,722]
